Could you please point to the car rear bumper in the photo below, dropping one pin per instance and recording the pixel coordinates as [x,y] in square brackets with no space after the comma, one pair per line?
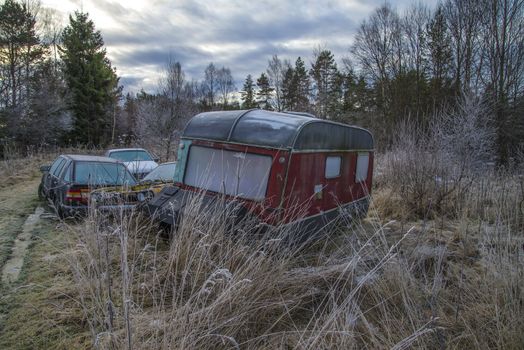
[83,210]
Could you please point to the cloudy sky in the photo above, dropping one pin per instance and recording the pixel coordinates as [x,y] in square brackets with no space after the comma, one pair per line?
[140,36]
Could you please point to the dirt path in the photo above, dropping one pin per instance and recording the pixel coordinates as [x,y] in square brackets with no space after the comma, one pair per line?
[13,266]
[17,202]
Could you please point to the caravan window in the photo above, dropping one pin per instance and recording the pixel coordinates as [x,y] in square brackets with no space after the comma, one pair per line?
[362,167]
[333,167]
[233,173]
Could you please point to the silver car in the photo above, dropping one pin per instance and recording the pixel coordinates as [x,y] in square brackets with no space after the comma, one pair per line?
[139,161]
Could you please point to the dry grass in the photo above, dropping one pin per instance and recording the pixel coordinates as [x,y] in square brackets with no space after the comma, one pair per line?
[17,166]
[413,274]
[36,312]
[429,284]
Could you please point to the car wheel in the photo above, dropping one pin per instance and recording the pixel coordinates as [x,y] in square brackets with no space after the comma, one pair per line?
[60,212]
[41,194]
[58,208]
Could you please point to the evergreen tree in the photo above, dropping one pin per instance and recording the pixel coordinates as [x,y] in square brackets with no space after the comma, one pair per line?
[92,81]
[247,94]
[20,49]
[350,98]
[302,84]
[289,90]
[327,83]
[265,92]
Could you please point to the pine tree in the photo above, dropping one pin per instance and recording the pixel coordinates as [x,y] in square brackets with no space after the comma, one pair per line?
[20,48]
[92,81]
[289,90]
[265,92]
[327,84]
[302,85]
[247,94]
[350,102]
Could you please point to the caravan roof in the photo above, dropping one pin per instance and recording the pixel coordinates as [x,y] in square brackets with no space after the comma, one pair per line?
[293,130]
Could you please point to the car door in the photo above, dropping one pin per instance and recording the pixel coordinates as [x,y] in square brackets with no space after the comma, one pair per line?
[63,180]
[54,180]
[47,177]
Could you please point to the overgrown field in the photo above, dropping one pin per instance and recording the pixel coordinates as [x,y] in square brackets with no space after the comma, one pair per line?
[438,263]
[428,283]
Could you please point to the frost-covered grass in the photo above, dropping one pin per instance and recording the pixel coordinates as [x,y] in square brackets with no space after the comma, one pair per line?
[377,284]
[438,263]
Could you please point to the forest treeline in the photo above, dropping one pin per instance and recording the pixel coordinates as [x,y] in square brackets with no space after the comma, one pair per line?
[57,86]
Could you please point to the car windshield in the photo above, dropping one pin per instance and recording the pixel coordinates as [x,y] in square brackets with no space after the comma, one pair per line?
[234,173]
[163,172]
[94,173]
[130,155]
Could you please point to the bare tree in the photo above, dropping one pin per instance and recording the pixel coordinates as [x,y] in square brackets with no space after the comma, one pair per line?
[209,85]
[465,135]
[275,71]
[464,19]
[414,25]
[378,52]
[161,117]
[503,64]
[374,46]
[225,85]
[50,21]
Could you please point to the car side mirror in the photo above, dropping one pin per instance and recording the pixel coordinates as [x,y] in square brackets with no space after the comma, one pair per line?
[156,159]
[45,168]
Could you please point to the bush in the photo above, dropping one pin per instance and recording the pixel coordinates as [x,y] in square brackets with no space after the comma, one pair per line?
[432,171]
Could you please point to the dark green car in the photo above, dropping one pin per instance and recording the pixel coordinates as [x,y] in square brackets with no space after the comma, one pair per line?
[68,181]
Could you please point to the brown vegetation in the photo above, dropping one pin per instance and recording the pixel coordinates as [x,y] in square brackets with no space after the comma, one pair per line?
[431,283]
[446,276]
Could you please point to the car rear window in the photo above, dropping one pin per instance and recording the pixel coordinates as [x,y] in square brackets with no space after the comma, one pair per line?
[130,156]
[164,172]
[93,173]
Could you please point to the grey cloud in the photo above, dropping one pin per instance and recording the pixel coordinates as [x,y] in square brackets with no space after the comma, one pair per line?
[288,28]
[132,84]
[184,29]
[137,56]
[112,8]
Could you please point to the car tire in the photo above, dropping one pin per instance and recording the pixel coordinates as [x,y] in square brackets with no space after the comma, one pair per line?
[58,208]
[60,212]
[41,194]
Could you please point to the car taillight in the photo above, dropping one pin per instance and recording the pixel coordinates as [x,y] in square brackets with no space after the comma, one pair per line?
[77,195]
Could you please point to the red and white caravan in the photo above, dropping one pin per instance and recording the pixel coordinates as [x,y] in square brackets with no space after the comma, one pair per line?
[285,167]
